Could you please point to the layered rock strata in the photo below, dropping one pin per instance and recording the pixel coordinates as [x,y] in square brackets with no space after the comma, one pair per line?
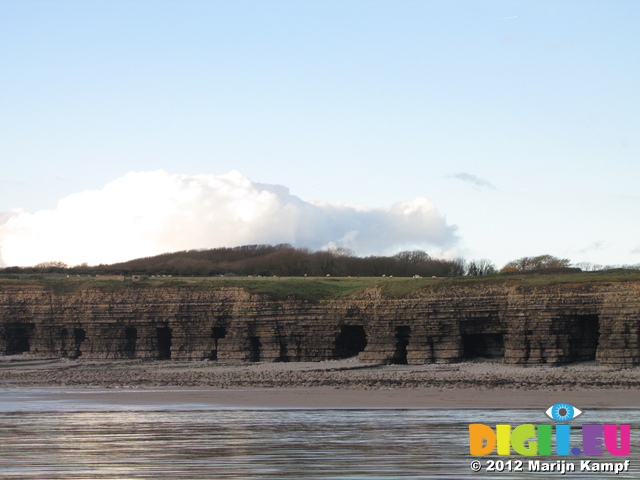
[556,324]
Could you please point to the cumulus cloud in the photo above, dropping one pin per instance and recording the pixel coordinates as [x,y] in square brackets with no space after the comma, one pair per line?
[147,213]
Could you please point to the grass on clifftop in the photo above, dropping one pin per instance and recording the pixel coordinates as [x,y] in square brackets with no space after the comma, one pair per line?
[314,289]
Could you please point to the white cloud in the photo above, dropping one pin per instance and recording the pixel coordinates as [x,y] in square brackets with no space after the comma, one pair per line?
[147,213]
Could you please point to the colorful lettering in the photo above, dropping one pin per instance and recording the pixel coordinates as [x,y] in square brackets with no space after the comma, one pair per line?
[611,442]
[535,440]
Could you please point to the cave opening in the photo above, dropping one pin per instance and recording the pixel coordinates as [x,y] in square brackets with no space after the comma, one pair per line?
[584,336]
[482,345]
[402,342]
[18,338]
[79,336]
[163,336]
[254,349]
[130,342]
[283,355]
[351,340]
[216,334]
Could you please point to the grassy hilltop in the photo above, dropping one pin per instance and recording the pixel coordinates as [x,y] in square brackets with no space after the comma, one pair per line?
[282,271]
[319,288]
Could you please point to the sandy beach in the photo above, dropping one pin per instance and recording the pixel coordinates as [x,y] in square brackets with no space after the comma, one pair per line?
[330,384]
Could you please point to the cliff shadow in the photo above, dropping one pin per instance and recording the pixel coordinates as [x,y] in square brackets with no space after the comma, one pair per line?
[403,333]
[283,354]
[79,336]
[130,342]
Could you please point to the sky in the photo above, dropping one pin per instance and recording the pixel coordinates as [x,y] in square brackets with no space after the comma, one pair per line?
[492,129]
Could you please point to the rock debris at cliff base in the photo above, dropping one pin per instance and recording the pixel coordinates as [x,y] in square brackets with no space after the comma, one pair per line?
[341,374]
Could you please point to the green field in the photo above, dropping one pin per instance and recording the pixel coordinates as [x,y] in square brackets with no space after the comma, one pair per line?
[314,289]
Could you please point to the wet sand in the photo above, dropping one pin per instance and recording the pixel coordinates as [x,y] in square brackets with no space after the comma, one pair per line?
[331,384]
[334,398]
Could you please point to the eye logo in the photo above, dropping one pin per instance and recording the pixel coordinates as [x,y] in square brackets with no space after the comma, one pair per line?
[562,412]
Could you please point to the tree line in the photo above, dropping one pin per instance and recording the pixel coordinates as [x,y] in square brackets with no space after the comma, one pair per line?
[286,260]
[264,260]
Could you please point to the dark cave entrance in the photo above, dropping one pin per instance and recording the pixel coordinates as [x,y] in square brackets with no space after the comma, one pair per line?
[130,342]
[482,345]
[216,334]
[163,336]
[351,340]
[79,336]
[584,336]
[283,355]
[254,349]
[18,338]
[402,342]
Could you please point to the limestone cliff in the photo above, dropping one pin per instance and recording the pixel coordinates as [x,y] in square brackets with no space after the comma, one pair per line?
[555,324]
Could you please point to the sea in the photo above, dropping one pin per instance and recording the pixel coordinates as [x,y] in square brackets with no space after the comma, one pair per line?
[54,438]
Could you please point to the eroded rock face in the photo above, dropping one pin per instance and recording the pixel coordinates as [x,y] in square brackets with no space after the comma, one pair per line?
[555,324]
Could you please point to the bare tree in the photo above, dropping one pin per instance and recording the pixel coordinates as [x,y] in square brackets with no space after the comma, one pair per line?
[541,262]
[480,267]
[53,264]
[589,267]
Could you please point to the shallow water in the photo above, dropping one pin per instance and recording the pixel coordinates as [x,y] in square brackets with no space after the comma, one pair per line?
[42,439]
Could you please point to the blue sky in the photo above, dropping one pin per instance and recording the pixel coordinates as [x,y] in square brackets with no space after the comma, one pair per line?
[517,120]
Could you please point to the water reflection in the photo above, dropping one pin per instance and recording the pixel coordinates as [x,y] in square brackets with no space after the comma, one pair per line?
[244,444]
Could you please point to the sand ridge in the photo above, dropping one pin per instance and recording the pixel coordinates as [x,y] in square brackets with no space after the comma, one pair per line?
[349,373]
